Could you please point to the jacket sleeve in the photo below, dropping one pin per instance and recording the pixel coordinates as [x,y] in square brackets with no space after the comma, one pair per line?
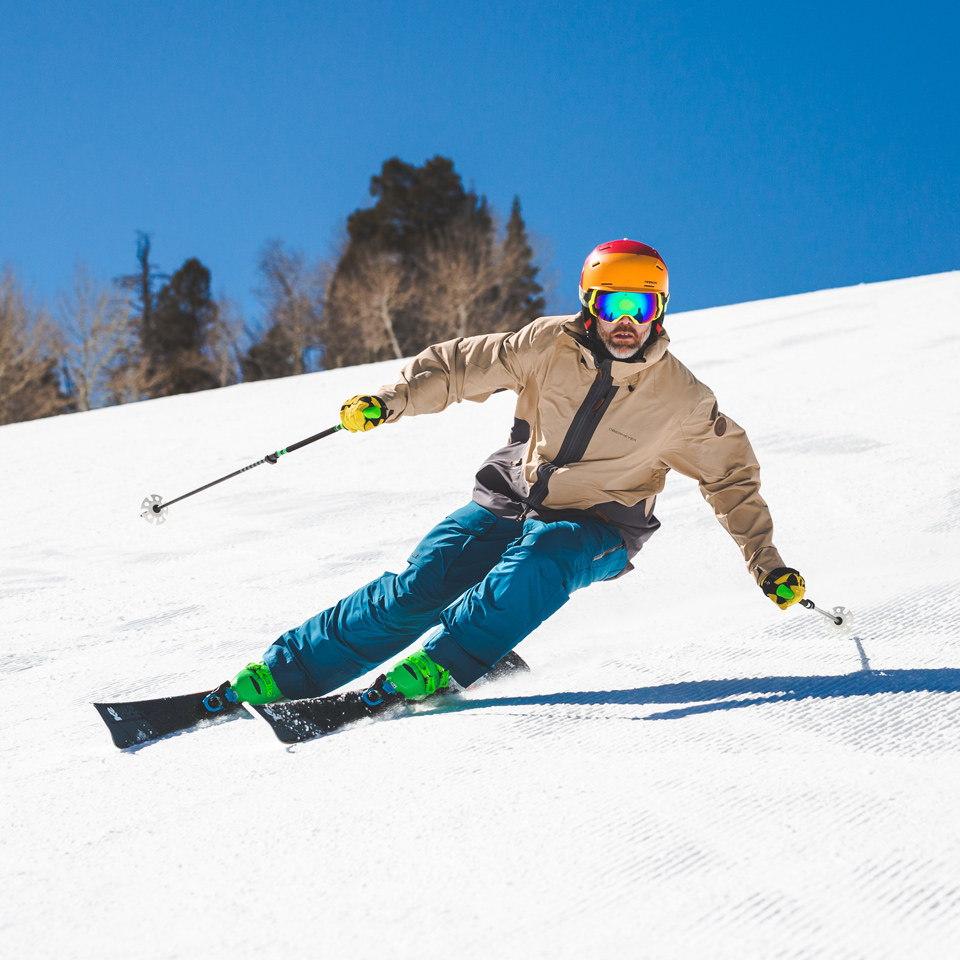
[715,451]
[468,368]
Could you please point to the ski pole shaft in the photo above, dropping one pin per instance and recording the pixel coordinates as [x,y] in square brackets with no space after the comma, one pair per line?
[810,605]
[787,594]
[269,458]
[153,507]
[841,619]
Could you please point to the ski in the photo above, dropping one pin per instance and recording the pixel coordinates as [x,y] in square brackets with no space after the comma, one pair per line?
[294,721]
[133,723]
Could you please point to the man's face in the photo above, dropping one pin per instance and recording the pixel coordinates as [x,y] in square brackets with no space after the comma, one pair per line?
[623,338]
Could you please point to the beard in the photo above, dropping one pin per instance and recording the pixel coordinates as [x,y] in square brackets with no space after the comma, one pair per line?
[621,352]
[623,349]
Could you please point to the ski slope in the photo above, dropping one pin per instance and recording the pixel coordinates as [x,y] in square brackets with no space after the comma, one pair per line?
[686,772]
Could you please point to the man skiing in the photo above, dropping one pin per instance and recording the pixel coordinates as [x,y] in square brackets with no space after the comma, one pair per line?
[604,412]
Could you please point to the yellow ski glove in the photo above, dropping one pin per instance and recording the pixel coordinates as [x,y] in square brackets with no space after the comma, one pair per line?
[784,586]
[362,413]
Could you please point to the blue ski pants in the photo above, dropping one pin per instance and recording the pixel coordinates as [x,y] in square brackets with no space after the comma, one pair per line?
[481,581]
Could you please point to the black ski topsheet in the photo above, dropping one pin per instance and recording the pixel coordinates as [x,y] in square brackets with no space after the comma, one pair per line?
[135,722]
[140,721]
[294,721]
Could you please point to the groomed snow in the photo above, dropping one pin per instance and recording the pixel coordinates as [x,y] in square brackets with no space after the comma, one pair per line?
[686,772]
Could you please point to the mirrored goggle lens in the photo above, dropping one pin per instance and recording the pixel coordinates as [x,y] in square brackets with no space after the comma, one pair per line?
[640,307]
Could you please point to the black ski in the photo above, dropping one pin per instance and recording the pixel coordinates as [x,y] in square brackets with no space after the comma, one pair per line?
[135,722]
[139,721]
[294,721]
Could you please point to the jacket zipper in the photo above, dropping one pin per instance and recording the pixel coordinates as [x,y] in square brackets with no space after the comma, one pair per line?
[580,432]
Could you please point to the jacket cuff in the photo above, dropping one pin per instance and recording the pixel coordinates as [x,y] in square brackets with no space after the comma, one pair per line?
[763,562]
[394,398]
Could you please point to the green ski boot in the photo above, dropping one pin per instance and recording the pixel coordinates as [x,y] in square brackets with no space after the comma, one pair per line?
[255,684]
[418,677]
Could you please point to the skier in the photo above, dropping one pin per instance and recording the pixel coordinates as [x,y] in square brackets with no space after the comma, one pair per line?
[604,411]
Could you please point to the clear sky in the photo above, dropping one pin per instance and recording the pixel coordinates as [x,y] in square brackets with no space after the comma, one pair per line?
[763,148]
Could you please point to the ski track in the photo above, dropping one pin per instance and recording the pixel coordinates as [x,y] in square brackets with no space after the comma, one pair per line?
[686,772]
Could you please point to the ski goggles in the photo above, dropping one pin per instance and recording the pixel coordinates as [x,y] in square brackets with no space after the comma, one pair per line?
[611,306]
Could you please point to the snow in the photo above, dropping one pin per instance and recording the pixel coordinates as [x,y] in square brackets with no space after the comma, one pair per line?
[686,772]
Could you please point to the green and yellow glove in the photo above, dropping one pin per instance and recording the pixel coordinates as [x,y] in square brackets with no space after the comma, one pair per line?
[362,413]
[784,586]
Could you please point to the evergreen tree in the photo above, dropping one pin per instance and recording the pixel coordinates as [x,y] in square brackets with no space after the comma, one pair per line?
[271,357]
[134,376]
[413,205]
[520,295]
[183,316]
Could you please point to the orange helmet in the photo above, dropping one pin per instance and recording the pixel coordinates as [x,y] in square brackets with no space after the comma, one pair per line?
[624,265]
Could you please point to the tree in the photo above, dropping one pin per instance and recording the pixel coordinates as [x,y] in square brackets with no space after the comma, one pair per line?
[519,297]
[95,334]
[292,293]
[224,342]
[417,209]
[183,317]
[461,274]
[29,382]
[367,303]
[135,376]
[413,204]
[270,357]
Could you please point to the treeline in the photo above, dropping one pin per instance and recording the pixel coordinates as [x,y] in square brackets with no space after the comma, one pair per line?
[427,262]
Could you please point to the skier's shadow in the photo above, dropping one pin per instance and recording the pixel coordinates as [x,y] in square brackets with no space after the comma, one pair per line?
[706,696]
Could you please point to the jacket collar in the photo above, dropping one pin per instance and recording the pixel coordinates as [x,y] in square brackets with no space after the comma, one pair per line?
[622,371]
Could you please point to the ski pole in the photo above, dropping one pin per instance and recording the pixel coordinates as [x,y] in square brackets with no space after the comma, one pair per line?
[154,510]
[839,617]
[810,605]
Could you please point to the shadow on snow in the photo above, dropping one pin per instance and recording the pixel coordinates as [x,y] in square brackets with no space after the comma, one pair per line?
[706,696]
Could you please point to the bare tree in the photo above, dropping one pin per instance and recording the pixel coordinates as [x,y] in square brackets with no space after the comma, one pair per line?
[131,378]
[377,288]
[95,329]
[481,280]
[224,341]
[464,282]
[292,292]
[461,274]
[29,383]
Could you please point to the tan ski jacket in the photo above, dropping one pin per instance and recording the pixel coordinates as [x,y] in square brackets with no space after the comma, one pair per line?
[593,435]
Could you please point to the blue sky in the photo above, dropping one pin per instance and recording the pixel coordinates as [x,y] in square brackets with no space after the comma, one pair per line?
[764,149]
